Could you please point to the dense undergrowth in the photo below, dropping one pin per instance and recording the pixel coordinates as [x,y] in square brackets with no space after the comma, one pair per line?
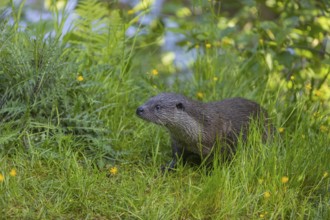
[72,147]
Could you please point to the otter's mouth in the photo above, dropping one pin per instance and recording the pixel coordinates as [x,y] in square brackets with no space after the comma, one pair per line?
[145,115]
[140,112]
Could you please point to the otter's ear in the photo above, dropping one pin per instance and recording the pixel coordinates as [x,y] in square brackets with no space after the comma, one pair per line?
[180,106]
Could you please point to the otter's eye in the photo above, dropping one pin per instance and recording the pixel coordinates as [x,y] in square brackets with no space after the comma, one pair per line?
[180,106]
[157,107]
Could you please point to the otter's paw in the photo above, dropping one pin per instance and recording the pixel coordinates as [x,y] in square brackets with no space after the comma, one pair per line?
[168,167]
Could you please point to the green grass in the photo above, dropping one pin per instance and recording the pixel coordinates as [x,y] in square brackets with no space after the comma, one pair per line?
[62,137]
[57,180]
[63,184]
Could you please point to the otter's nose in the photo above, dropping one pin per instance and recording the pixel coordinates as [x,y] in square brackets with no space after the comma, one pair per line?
[139,110]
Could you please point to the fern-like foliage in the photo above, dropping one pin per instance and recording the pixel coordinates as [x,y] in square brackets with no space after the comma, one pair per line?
[98,34]
[39,94]
[42,99]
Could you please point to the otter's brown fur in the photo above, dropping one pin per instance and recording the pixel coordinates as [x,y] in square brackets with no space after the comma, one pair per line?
[195,127]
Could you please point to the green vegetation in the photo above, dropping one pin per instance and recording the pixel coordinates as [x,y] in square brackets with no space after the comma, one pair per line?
[71,146]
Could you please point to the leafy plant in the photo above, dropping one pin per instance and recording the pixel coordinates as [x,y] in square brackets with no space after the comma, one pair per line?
[98,35]
[43,93]
[70,99]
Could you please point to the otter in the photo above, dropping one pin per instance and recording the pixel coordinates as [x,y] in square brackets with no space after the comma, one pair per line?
[196,127]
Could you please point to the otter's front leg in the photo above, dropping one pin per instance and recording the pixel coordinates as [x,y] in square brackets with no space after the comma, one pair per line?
[177,153]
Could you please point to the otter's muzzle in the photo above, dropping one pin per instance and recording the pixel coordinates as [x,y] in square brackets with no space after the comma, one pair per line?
[140,111]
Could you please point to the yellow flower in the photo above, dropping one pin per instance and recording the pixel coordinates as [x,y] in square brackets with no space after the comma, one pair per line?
[285,179]
[196,46]
[208,45]
[323,128]
[113,170]
[200,95]
[80,78]
[154,72]
[13,172]
[325,174]
[318,93]
[215,78]
[130,12]
[266,194]
[1,178]
[280,129]
[262,215]
[227,41]
[292,78]
[308,86]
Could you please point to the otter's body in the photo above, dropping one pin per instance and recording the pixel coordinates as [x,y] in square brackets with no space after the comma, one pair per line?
[195,127]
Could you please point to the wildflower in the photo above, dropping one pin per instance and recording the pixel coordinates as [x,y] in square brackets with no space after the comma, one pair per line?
[262,215]
[1,178]
[318,93]
[80,78]
[113,170]
[154,72]
[325,174]
[130,12]
[200,95]
[227,41]
[285,179]
[208,45]
[292,78]
[266,194]
[280,129]
[196,46]
[215,78]
[323,128]
[308,86]
[13,172]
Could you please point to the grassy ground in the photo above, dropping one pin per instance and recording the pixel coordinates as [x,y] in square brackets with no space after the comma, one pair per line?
[283,180]
[287,178]
[81,153]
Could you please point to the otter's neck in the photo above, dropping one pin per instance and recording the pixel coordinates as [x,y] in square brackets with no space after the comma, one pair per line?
[189,130]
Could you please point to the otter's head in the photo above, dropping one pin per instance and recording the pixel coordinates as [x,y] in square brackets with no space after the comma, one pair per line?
[164,109]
